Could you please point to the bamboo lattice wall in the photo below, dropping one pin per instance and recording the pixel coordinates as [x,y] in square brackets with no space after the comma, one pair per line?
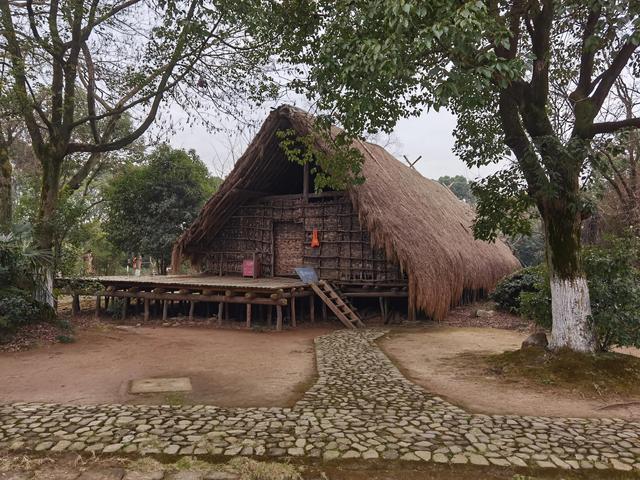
[345,251]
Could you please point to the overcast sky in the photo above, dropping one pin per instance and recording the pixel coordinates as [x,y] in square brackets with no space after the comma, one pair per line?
[430,135]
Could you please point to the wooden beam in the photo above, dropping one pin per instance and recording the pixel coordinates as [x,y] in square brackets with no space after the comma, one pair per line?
[248,315]
[220,313]
[165,310]
[269,315]
[281,300]
[192,307]
[146,309]
[375,294]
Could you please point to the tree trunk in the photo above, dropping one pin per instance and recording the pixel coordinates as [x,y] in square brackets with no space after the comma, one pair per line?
[570,304]
[6,212]
[46,227]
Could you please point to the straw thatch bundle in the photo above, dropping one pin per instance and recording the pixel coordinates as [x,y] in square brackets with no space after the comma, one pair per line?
[418,222]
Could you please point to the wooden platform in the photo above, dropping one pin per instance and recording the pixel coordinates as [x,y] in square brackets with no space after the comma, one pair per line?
[210,282]
[173,294]
[167,295]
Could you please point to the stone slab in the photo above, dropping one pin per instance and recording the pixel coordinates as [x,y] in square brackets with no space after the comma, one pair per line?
[160,385]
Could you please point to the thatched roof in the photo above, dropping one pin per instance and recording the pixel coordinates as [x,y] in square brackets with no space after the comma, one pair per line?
[418,222]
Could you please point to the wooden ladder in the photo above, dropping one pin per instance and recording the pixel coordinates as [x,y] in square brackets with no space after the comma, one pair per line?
[338,305]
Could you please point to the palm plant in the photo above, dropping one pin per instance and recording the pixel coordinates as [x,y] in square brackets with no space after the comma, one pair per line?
[21,265]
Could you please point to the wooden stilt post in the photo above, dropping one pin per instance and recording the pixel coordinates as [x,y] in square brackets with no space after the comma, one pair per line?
[294,322]
[192,308]
[248,315]
[269,315]
[106,302]
[97,312]
[75,305]
[324,312]
[125,304]
[146,309]
[411,314]
[312,309]
[279,318]
[382,312]
[220,312]
[165,310]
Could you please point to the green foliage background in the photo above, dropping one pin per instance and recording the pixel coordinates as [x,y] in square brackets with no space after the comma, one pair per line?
[150,205]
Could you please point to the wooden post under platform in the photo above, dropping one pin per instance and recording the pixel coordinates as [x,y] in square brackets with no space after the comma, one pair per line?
[97,312]
[248,315]
[192,308]
[165,310]
[146,309]
[383,309]
[279,318]
[294,322]
[312,308]
[411,313]
[75,304]
[220,313]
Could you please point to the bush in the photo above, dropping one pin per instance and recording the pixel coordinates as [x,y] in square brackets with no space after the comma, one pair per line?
[614,287]
[507,292]
[18,308]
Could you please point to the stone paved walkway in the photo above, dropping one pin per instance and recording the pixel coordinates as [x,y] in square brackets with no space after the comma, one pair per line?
[360,407]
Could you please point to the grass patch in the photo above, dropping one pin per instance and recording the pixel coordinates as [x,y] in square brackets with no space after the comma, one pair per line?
[145,465]
[593,375]
[253,470]
[9,463]
[175,398]
[191,463]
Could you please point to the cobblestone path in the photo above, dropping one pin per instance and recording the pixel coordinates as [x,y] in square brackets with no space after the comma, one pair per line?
[360,407]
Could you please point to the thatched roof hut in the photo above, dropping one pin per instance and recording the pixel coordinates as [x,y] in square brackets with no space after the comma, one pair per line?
[419,223]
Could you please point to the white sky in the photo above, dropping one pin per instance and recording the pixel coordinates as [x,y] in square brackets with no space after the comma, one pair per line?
[430,135]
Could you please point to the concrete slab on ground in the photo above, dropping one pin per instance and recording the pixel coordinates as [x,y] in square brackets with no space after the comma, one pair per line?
[160,385]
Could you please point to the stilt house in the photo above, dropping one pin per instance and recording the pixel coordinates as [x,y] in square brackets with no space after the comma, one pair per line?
[396,236]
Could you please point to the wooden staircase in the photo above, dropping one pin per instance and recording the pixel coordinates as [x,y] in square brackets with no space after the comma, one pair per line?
[338,304]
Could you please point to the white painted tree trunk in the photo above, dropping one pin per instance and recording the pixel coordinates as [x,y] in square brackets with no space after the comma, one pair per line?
[44,292]
[571,309]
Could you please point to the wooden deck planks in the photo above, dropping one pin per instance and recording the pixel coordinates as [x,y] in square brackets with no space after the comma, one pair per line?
[202,281]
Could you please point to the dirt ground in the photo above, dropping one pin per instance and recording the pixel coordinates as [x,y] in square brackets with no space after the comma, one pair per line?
[430,357]
[227,367]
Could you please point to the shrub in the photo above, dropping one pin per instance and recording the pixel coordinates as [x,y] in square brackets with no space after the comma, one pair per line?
[614,287]
[507,292]
[18,308]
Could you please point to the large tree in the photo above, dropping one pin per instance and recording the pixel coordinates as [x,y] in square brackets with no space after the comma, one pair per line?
[499,66]
[150,205]
[77,66]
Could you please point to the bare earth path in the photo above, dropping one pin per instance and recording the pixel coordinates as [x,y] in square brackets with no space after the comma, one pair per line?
[227,367]
[431,358]
[360,407]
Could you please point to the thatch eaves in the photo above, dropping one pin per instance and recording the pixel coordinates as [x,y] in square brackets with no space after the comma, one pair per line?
[417,221]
